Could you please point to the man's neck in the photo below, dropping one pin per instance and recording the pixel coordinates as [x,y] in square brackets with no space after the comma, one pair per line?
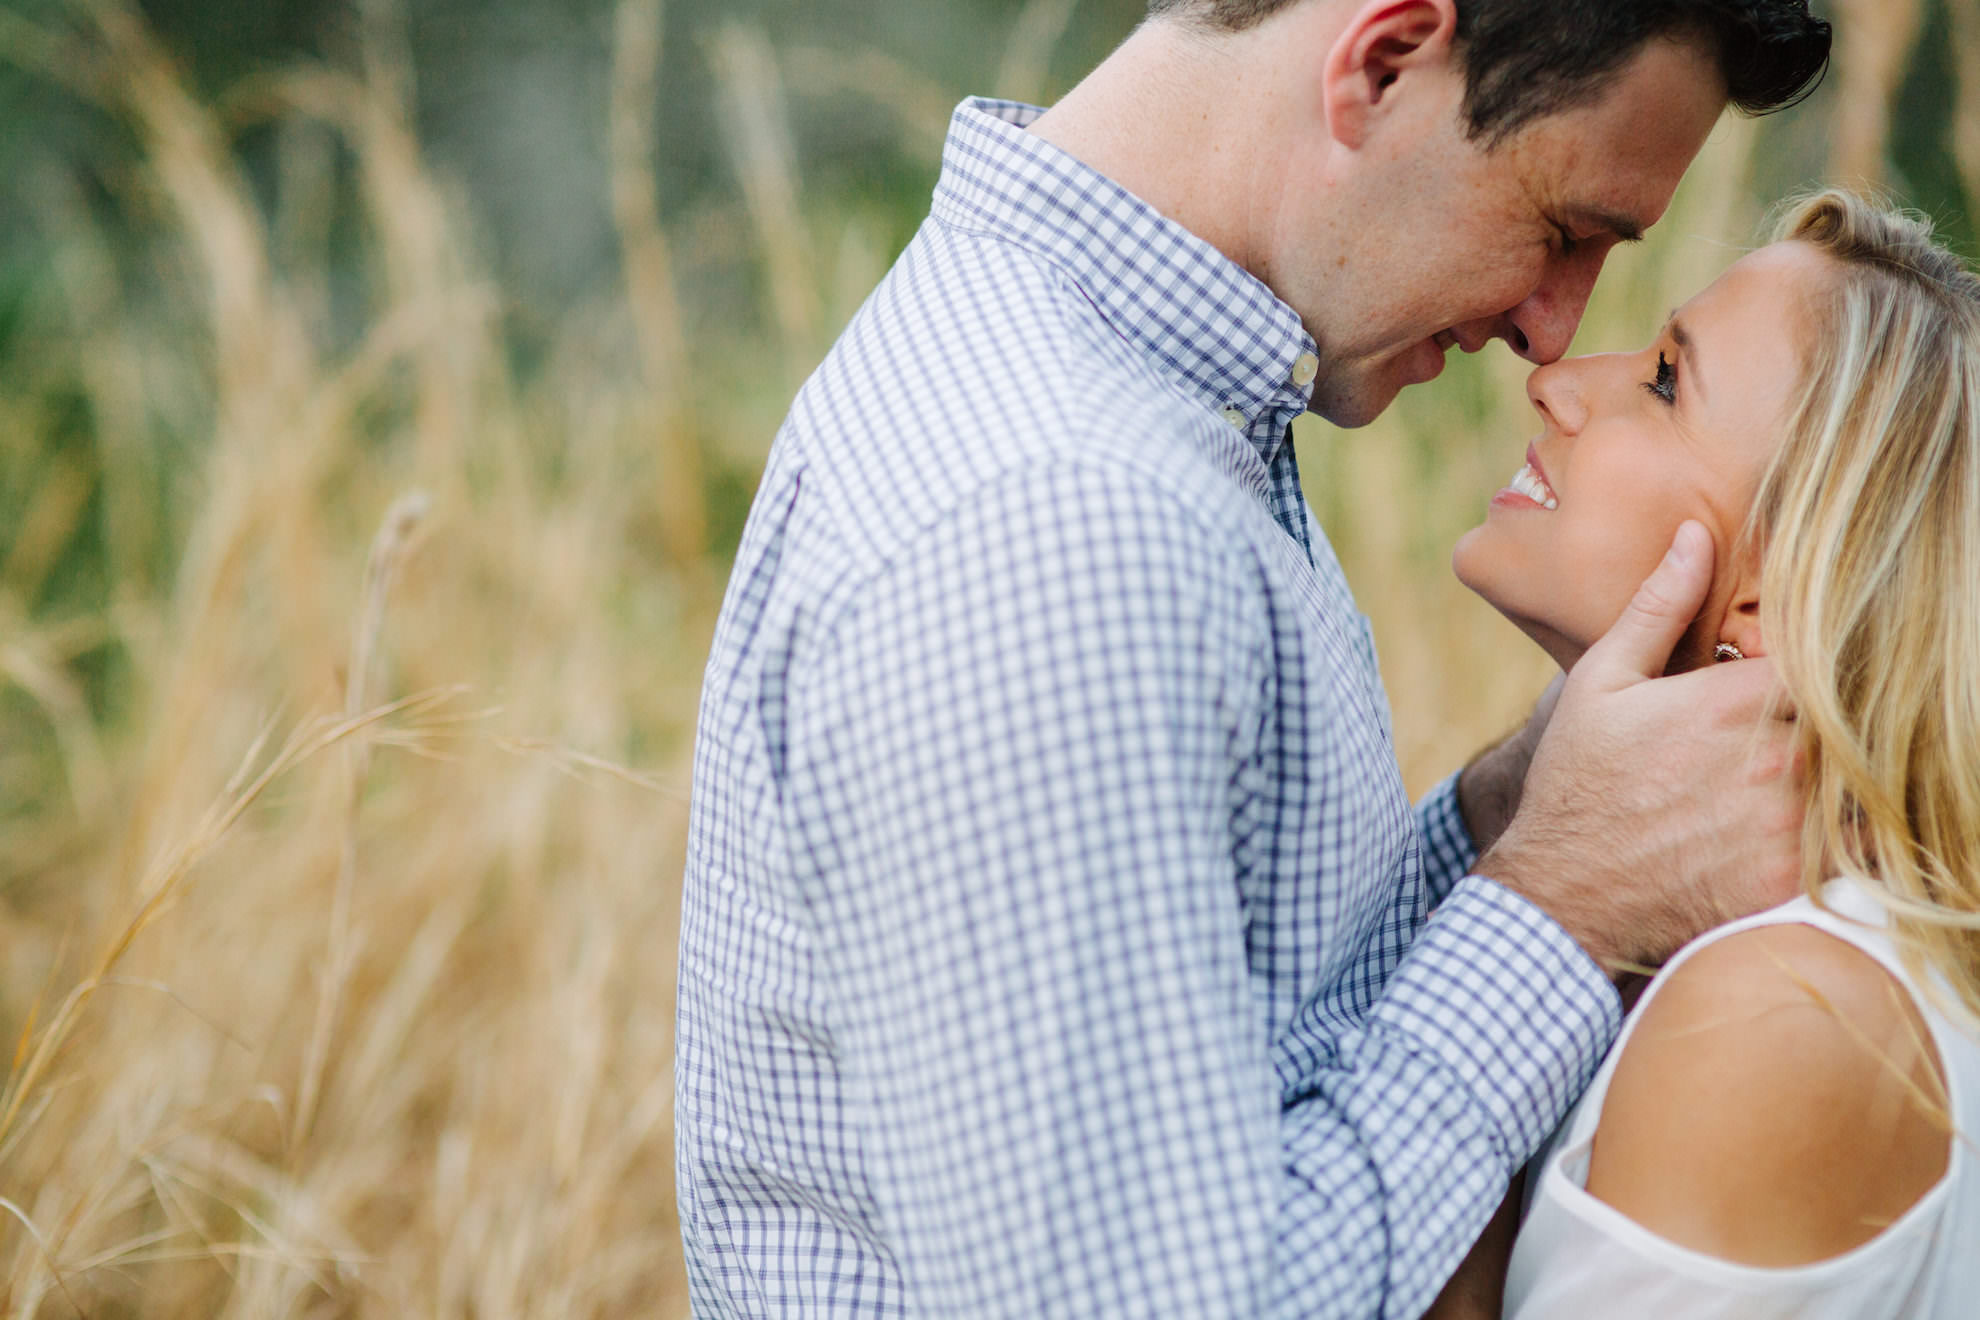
[1186,121]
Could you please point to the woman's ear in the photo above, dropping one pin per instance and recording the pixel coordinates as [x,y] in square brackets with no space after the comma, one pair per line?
[1741,624]
[1381,43]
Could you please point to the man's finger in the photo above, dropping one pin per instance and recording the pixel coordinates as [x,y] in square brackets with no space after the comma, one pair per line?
[1639,645]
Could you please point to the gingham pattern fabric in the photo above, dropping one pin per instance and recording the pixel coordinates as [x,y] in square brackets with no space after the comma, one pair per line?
[1054,940]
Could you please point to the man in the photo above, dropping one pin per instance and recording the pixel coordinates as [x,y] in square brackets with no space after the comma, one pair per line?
[1056,937]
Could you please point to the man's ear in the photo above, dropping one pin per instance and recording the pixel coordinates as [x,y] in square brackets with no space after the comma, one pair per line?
[1383,42]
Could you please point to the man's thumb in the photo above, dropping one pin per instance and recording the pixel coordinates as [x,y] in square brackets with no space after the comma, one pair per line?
[1639,645]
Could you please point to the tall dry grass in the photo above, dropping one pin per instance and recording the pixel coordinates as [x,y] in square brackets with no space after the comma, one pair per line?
[343,983]
[339,948]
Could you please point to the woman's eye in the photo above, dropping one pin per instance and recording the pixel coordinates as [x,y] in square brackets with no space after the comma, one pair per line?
[1665,386]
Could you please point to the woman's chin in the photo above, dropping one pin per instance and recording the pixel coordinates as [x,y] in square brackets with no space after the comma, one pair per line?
[1563,650]
[1470,564]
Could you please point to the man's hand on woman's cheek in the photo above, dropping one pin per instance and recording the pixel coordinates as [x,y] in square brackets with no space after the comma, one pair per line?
[1656,808]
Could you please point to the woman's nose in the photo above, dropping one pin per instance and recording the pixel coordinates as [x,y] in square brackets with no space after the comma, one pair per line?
[1557,394]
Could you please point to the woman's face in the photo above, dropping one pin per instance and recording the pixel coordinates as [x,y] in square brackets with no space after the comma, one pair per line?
[1632,444]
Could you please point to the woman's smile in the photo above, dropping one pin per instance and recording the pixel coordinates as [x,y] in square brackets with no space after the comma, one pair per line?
[1528,489]
[1635,444]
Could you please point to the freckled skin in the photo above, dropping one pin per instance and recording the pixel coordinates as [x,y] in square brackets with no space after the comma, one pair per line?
[1453,236]
[1325,151]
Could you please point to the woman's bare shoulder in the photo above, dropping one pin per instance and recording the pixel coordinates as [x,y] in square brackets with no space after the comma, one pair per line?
[1779,1103]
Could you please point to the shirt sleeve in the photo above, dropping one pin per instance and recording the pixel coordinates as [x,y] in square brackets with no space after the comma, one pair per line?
[1448,849]
[1016,758]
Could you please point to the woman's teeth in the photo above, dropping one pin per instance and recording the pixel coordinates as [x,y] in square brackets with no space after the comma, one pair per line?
[1527,482]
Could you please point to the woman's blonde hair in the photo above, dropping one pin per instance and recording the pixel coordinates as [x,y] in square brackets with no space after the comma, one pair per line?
[1869,519]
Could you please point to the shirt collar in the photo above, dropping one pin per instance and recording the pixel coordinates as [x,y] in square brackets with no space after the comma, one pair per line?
[1195,314]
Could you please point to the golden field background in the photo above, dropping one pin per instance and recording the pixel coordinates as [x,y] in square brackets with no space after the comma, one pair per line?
[351,624]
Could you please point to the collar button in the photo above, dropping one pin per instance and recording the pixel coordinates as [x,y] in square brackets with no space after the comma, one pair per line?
[1305,367]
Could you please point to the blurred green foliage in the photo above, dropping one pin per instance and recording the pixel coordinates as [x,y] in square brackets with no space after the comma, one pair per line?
[1922,154]
[509,104]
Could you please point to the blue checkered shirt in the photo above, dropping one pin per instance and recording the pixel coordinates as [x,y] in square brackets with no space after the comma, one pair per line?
[1057,934]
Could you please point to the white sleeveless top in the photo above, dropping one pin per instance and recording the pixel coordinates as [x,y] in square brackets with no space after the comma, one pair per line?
[1577,1257]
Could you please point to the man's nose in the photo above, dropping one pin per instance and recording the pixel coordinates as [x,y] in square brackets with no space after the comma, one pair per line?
[1541,328]
[1538,329]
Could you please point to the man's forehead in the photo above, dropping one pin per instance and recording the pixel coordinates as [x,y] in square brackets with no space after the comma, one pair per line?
[1611,163]
[1592,188]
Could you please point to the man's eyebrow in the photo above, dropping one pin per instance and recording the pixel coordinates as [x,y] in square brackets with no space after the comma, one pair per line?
[1686,353]
[1626,229]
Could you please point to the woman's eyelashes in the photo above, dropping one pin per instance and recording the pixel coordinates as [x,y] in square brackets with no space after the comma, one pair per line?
[1665,386]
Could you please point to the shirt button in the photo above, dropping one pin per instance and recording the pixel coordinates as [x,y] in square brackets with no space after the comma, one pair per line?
[1236,418]
[1305,367]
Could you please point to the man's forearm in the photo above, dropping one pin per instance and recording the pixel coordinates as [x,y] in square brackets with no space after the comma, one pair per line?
[1477,1291]
[1489,787]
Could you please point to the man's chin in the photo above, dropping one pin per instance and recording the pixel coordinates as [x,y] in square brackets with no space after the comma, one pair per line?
[1357,405]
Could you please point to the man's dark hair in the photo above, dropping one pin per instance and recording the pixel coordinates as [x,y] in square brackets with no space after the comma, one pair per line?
[1526,59]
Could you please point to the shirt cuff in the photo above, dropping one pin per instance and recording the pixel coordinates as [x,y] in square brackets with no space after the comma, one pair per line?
[1508,1002]
[1448,848]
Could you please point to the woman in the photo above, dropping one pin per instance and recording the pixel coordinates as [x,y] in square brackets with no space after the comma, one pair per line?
[1786,1126]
